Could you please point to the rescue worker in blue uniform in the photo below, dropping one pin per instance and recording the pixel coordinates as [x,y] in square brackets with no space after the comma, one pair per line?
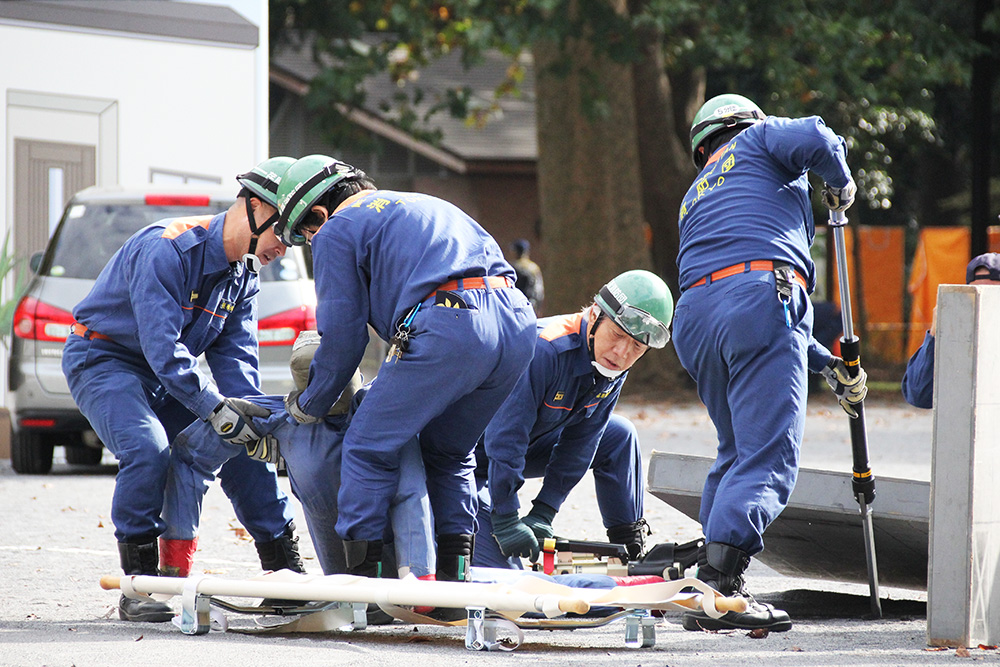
[311,453]
[918,380]
[434,284]
[558,423]
[176,289]
[743,323]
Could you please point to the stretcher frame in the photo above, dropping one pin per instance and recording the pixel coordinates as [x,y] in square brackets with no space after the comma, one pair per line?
[489,607]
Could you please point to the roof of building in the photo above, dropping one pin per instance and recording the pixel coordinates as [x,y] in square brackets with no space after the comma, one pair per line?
[154,18]
[507,137]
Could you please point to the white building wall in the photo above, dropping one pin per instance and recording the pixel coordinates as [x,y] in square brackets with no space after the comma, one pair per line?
[147,103]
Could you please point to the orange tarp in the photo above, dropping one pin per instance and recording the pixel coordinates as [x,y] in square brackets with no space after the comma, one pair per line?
[881,275]
[940,259]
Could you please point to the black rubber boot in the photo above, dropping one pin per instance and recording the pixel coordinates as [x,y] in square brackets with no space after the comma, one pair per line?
[141,559]
[721,566]
[632,536]
[364,559]
[282,553]
[454,557]
[454,560]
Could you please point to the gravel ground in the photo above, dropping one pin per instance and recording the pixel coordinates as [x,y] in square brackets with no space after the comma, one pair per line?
[57,541]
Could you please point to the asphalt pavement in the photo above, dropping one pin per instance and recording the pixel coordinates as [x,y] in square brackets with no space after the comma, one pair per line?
[57,540]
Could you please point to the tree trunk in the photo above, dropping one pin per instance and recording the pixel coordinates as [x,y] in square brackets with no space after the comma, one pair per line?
[664,159]
[588,173]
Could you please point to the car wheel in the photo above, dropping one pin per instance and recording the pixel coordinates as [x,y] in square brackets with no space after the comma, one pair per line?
[82,455]
[31,453]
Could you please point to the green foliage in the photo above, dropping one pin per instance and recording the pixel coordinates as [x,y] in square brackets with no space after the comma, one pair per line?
[892,76]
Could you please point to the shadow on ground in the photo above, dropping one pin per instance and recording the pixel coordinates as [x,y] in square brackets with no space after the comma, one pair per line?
[804,603]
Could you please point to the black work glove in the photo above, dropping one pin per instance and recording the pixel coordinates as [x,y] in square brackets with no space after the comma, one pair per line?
[231,420]
[539,520]
[513,537]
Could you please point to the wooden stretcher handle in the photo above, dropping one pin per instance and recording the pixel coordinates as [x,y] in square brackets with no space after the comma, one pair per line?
[574,606]
[110,583]
[737,604]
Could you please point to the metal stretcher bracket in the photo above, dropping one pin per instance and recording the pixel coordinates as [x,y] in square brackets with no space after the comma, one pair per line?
[640,629]
[481,631]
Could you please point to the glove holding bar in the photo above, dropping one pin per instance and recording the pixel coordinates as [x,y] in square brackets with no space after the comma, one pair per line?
[849,390]
[231,420]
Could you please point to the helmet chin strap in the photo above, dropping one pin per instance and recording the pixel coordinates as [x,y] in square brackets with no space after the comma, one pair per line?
[603,370]
[250,259]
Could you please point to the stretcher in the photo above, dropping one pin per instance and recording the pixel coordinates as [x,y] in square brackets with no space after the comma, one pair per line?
[340,602]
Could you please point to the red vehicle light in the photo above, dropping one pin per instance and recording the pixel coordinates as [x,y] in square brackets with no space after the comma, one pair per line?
[36,320]
[284,328]
[38,423]
[178,200]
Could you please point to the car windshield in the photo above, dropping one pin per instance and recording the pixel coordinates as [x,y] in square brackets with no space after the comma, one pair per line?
[90,234]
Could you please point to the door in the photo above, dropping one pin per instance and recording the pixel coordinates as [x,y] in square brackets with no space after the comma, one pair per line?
[46,174]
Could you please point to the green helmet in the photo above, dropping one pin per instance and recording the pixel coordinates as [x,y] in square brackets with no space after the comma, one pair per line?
[263,179]
[720,113]
[307,180]
[640,303]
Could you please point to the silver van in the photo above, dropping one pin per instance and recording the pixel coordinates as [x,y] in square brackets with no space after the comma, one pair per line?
[95,224]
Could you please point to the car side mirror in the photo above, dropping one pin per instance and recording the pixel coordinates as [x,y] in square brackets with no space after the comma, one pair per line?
[36,261]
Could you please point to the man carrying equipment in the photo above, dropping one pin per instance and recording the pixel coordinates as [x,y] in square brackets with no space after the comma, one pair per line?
[918,380]
[558,423]
[179,288]
[743,324]
[431,282]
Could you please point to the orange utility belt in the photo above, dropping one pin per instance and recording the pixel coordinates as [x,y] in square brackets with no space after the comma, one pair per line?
[745,267]
[496,282]
[84,332]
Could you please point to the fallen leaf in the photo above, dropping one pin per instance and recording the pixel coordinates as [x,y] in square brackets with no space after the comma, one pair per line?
[100,524]
[936,648]
[139,638]
[962,652]
[797,649]
[758,633]
[988,647]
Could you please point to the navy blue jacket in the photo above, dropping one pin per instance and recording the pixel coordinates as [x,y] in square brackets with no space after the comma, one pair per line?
[168,295]
[560,403]
[766,213]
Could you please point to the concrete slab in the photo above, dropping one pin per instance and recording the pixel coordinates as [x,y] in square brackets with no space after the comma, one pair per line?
[819,534]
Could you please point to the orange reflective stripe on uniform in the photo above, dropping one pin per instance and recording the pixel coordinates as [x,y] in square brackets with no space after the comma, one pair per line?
[181,225]
[562,327]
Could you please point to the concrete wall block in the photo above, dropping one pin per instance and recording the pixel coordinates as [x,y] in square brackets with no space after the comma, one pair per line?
[964,566]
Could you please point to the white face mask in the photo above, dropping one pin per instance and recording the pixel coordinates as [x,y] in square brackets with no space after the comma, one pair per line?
[605,371]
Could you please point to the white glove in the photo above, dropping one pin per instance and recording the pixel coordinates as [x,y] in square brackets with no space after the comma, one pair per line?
[839,199]
[849,390]
[292,406]
[231,420]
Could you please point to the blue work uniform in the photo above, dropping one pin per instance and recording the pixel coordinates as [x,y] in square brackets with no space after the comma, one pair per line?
[379,261]
[557,423]
[918,380]
[168,295]
[748,349]
[312,460]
